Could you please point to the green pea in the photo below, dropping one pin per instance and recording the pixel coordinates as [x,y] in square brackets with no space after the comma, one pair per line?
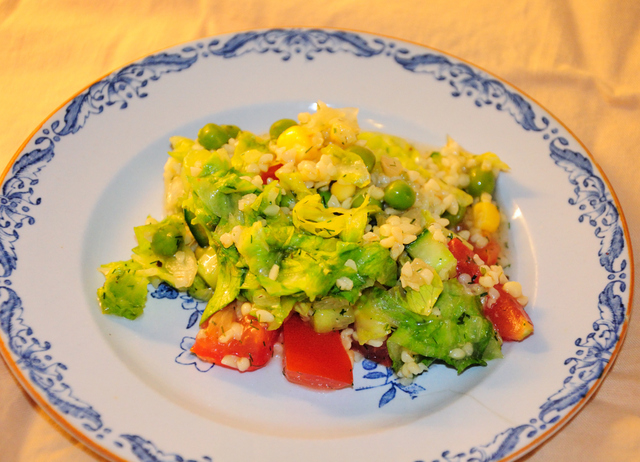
[232,130]
[457,218]
[480,181]
[166,240]
[399,195]
[366,154]
[279,126]
[212,136]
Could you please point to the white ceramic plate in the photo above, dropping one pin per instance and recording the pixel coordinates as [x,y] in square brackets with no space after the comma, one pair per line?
[131,391]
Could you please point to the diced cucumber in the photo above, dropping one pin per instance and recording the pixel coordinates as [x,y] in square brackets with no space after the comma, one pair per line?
[371,322]
[331,314]
[435,253]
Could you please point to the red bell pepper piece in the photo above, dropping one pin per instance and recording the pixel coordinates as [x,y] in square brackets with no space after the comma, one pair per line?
[508,316]
[315,360]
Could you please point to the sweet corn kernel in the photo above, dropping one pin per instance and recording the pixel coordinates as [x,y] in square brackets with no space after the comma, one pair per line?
[513,288]
[342,191]
[486,216]
[293,137]
[300,139]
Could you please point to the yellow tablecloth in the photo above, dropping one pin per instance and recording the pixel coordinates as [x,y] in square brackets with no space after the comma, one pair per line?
[578,58]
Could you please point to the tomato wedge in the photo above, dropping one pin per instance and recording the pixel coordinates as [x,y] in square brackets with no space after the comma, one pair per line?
[315,360]
[489,253]
[242,343]
[508,316]
[464,256]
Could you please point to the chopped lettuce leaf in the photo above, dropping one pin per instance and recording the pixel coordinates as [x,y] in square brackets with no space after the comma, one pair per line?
[351,169]
[230,278]
[310,215]
[177,269]
[422,301]
[256,252]
[456,332]
[394,146]
[180,147]
[279,307]
[373,261]
[124,292]
[293,182]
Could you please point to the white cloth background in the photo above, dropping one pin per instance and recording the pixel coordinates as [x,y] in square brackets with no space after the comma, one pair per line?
[580,59]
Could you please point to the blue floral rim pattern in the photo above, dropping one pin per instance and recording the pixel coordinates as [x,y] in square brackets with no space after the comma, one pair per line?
[33,356]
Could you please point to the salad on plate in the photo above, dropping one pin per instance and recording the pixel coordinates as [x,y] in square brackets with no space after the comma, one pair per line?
[328,244]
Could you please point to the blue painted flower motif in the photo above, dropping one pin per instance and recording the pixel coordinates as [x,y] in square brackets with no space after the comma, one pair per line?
[186,358]
[196,308]
[188,303]
[378,376]
[164,290]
